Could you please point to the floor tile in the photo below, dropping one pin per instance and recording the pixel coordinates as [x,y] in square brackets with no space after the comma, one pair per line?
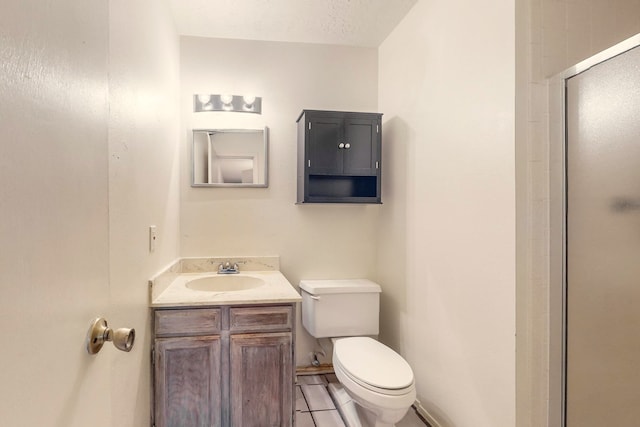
[317,397]
[304,419]
[311,379]
[301,403]
[411,420]
[331,378]
[327,419]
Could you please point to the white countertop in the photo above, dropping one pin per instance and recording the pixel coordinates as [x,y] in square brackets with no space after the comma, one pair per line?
[276,289]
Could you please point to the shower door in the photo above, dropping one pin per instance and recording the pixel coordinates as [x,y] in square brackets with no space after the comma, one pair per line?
[603,244]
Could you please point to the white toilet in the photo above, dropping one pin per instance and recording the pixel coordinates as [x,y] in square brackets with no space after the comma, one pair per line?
[377,378]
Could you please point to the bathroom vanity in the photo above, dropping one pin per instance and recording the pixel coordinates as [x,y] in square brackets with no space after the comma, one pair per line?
[223,357]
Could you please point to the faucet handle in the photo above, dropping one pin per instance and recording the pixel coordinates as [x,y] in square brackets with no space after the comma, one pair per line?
[226,267]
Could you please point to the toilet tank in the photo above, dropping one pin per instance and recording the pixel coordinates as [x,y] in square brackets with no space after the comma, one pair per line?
[340,308]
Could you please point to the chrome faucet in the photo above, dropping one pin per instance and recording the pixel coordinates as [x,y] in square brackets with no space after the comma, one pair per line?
[227,268]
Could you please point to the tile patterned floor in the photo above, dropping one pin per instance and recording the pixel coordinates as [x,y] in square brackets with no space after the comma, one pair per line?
[315,408]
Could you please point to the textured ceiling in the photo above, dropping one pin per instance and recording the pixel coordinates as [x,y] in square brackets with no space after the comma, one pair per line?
[345,22]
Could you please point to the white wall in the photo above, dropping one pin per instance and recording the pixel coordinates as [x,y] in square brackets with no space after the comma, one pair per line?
[446,253]
[313,241]
[144,163]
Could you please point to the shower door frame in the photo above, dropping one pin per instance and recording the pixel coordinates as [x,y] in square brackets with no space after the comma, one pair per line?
[557,89]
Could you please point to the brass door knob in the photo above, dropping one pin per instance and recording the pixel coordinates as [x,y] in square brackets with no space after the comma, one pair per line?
[99,333]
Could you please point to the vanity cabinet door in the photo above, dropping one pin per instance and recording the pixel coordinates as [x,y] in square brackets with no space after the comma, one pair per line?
[261,379]
[188,382]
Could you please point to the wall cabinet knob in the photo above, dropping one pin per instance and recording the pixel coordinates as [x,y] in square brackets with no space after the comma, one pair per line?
[341,145]
[347,145]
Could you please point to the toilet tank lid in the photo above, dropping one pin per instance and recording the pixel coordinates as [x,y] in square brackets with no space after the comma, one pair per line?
[340,286]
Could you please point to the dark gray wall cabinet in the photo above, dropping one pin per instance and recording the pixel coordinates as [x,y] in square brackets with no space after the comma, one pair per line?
[339,157]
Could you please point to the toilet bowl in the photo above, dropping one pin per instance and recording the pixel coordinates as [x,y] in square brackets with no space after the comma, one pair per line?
[378,379]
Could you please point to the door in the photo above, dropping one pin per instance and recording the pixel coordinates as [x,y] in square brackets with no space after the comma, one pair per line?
[54,224]
[603,245]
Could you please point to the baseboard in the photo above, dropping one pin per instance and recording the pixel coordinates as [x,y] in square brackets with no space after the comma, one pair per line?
[424,414]
[325,368]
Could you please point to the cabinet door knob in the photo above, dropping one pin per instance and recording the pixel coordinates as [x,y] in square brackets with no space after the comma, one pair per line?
[347,145]
[341,145]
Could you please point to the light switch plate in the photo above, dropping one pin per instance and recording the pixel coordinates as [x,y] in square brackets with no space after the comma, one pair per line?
[153,238]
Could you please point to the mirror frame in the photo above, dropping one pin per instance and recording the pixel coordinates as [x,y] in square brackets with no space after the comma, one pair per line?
[265,140]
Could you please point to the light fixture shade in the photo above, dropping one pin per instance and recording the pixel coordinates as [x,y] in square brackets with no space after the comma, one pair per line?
[229,103]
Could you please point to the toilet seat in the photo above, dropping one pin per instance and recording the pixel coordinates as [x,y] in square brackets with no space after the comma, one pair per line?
[372,365]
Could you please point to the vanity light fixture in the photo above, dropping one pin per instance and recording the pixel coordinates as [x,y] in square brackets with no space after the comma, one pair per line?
[225,102]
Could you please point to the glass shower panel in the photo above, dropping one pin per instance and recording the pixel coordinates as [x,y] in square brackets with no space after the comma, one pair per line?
[603,244]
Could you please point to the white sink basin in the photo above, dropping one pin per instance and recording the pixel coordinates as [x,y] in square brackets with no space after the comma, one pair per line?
[229,283]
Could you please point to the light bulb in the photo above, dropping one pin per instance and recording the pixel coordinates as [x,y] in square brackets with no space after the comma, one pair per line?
[226,99]
[204,99]
[249,100]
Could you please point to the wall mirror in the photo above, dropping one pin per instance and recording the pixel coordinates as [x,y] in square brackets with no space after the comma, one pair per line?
[230,158]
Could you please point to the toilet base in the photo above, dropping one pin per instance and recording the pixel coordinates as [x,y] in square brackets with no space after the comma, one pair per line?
[345,405]
[353,414]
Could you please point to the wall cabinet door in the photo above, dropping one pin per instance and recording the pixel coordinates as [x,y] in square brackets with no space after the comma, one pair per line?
[361,147]
[338,146]
[324,155]
[261,380]
[188,382]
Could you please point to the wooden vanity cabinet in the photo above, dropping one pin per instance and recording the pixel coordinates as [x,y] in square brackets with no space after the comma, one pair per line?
[339,157]
[224,366]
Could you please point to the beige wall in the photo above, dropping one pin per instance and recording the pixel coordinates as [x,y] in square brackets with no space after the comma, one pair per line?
[554,35]
[144,163]
[313,241]
[447,229]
